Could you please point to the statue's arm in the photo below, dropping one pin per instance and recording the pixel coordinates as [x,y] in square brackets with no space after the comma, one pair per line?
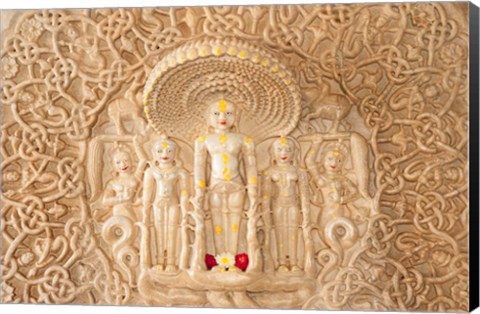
[199,169]
[138,142]
[251,168]
[183,181]
[148,195]
[110,197]
[350,191]
[304,190]
[267,190]
[311,164]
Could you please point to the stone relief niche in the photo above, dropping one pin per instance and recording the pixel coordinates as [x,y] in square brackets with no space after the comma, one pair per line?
[307,156]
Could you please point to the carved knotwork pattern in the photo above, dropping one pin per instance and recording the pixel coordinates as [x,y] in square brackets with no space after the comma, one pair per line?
[404,66]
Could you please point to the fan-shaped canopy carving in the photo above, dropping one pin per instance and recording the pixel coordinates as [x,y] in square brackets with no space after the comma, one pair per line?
[185,81]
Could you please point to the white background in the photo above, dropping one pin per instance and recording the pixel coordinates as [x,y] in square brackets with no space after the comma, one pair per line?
[77,309]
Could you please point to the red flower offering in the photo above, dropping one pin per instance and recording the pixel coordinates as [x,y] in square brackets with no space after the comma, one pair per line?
[241,261]
[210,261]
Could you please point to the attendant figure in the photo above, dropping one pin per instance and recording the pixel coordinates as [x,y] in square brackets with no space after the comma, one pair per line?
[286,200]
[121,189]
[165,200]
[337,191]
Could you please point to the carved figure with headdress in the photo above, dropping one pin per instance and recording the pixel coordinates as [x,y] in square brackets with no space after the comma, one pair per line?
[226,187]
[165,199]
[286,199]
[336,189]
[120,190]
[118,210]
[341,192]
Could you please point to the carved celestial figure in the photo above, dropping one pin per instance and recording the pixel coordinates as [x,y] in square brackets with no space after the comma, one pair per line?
[337,189]
[285,198]
[120,190]
[165,198]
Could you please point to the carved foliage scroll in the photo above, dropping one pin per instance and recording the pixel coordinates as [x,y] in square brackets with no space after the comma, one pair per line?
[67,73]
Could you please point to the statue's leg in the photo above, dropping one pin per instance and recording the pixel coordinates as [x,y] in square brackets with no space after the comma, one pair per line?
[159,226]
[279,219]
[234,217]
[217,220]
[172,236]
[293,222]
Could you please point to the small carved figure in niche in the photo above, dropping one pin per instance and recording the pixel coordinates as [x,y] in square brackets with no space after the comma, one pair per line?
[120,191]
[283,183]
[165,199]
[226,187]
[122,110]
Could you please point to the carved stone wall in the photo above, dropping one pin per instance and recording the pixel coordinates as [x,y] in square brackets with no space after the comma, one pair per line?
[73,85]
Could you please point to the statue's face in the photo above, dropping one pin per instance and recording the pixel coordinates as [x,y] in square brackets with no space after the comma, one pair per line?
[284,150]
[122,162]
[164,152]
[221,115]
[333,161]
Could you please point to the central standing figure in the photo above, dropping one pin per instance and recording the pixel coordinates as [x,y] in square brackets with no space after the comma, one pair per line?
[229,152]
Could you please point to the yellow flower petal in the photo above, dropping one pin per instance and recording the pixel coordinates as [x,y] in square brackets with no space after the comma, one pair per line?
[234,227]
[201,184]
[253,180]
[201,138]
[218,230]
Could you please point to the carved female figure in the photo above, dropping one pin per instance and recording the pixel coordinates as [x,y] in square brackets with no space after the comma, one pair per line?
[285,198]
[337,190]
[226,187]
[165,198]
[121,189]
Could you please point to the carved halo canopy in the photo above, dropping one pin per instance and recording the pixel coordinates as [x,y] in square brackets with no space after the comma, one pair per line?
[188,79]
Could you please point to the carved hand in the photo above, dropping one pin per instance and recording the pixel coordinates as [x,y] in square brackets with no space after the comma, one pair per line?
[320,182]
[198,200]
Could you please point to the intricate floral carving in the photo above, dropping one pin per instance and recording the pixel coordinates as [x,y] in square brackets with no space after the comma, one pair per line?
[394,75]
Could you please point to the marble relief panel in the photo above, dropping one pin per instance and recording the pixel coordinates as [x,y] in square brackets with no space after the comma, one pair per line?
[303,156]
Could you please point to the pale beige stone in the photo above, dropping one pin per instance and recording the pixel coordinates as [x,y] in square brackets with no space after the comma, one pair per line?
[328,143]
